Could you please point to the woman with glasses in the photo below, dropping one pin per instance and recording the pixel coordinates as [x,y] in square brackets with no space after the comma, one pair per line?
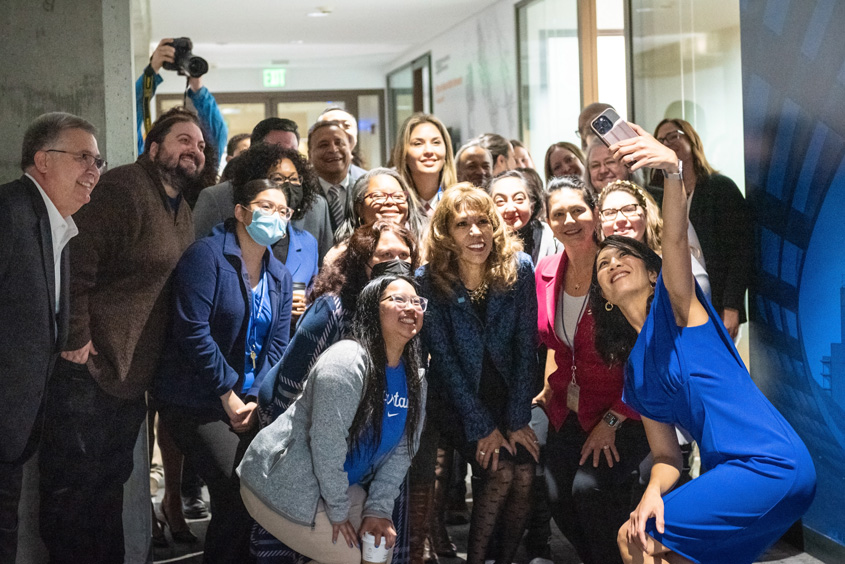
[481,334]
[628,210]
[372,250]
[720,223]
[380,194]
[329,469]
[231,324]
[595,442]
[298,250]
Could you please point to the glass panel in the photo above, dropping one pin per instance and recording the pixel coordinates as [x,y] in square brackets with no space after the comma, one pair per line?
[305,115]
[400,100]
[369,131]
[549,74]
[242,117]
[687,65]
[611,55]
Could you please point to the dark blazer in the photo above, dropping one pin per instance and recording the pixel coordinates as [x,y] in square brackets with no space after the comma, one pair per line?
[31,335]
[205,350]
[456,339]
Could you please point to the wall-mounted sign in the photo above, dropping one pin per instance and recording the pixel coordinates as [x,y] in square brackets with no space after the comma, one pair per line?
[274,78]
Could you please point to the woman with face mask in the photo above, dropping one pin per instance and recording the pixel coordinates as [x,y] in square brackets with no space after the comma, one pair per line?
[231,324]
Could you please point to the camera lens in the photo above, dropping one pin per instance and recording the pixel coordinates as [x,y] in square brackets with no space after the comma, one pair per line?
[197,66]
[603,125]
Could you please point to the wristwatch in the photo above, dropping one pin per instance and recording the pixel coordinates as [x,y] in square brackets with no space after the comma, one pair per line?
[612,421]
[676,175]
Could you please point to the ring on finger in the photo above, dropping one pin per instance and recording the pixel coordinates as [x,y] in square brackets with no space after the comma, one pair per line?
[495,451]
[605,447]
[482,453]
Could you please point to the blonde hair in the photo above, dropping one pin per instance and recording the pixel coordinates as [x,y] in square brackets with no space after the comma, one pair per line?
[702,168]
[653,236]
[448,176]
[442,252]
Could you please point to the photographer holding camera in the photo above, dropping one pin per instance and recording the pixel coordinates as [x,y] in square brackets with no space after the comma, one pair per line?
[175,54]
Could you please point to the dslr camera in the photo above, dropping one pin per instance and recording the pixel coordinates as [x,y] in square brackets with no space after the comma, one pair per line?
[184,62]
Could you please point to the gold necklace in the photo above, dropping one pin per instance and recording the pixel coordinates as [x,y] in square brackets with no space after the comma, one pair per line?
[479,293]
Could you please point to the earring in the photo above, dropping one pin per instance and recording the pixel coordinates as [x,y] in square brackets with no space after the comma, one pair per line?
[608,306]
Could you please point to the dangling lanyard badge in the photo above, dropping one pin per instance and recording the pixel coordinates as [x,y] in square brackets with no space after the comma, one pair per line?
[573,391]
[256,311]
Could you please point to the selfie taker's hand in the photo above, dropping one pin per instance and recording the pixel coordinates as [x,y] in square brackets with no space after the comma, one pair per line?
[644,151]
[651,505]
[164,53]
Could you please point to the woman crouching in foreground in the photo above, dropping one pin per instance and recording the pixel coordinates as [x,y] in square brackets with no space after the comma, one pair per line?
[356,425]
[683,369]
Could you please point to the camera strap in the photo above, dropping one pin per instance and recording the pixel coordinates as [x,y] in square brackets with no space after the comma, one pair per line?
[149,78]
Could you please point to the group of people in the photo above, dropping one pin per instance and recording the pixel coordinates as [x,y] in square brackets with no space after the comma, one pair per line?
[321,343]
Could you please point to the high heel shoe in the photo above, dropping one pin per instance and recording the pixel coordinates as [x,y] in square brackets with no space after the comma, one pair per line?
[183,536]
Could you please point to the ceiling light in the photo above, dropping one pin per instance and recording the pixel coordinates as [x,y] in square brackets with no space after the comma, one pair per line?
[320,12]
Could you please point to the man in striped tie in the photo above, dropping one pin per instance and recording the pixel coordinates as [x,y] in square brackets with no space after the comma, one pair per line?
[329,153]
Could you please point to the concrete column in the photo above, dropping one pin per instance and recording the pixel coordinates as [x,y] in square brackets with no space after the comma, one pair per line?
[74,56]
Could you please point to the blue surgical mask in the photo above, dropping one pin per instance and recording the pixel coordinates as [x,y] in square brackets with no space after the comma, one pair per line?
[267,230]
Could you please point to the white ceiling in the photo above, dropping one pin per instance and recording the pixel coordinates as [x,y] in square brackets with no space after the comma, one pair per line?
[261,33]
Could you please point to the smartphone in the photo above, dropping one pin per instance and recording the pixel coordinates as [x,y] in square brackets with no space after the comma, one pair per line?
[611,128]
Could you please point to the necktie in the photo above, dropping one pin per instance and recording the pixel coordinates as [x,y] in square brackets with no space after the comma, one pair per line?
[336,205]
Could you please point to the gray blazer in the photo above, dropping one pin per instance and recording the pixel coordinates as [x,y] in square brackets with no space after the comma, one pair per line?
[215,205]
[299,458]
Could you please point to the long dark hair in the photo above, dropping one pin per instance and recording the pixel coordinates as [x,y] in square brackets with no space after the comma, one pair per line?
[366,425]
[347,275]
[614,336]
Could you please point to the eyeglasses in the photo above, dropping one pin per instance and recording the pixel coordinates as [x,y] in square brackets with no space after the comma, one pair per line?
[380,198]
[281,179]
[630,211]
[402,301]
[269,208]
[89,160]
[671,137]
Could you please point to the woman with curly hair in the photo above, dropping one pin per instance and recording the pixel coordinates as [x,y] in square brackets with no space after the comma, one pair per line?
[330,468]
[481,334]
[423,157]
[628,210]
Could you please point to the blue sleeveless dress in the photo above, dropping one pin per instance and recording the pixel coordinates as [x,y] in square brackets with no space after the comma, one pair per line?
[760,477]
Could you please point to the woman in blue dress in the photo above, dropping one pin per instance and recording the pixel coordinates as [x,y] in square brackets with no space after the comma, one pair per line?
[683,369]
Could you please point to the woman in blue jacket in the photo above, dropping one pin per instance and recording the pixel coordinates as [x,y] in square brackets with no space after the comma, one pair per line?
[481,333]
[231,324]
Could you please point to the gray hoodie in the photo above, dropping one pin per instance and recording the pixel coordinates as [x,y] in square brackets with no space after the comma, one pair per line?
[299,458]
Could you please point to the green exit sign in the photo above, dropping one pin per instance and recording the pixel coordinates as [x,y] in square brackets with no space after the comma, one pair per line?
[274,78]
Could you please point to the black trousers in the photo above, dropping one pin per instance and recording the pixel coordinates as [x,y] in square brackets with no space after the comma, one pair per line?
[11,484]
[590,504]
[85,459]
[215,451]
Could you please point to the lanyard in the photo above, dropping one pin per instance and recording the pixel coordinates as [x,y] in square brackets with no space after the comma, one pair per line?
[565,334]
[252,337]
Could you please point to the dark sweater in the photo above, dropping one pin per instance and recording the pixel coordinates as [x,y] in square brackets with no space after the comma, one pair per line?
[128,245]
